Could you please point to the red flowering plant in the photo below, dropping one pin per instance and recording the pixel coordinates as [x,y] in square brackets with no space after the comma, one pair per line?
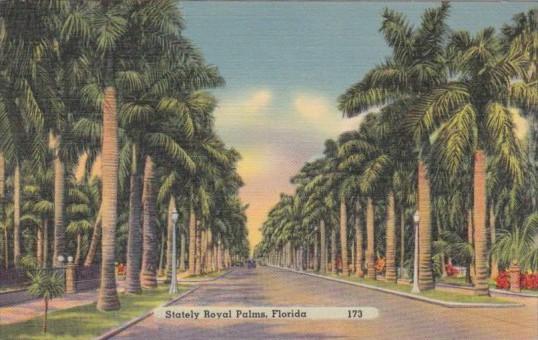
[503,280]
[529,281]
[526,281]
[451,270]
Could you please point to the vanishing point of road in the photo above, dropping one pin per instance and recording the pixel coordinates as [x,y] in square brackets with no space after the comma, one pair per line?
[399,317]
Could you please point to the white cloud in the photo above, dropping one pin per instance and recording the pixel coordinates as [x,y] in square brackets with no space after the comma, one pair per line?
[322,115]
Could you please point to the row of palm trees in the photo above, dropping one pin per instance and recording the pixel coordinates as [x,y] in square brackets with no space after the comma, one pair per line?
[115,87]
[439,138]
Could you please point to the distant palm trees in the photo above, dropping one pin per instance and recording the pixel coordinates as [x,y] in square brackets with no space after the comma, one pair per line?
[447,101]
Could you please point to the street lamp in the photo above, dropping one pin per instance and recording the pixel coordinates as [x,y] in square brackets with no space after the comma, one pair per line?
[61,260]
[173,283]
[416,289]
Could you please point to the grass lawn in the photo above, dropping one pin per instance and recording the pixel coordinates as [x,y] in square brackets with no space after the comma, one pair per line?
[432,294]
[86,322]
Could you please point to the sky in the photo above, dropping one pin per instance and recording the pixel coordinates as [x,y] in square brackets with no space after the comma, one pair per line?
[285,64]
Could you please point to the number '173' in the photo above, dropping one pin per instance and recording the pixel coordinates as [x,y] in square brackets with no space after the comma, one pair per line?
[354,313]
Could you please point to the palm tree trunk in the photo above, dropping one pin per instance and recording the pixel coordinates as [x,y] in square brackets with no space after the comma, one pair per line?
[333,250]
[59,204]
[78,250]
[479,224]
[148,276]
[96,236]
[203,251]
[39,247]
[182,252]
[425,272]
[402,242]
[323,248]
[6,249]
[134,240]
[370,240]
[45,242]
[220,255]
[17,214]
[390,272]
[343,237]
[161,257]
[170,235]
[359,257]
[439,232]
[108,295]
[470,232]
[192,241]
[494,262]
[316,252]
[198,248]
[45,315]
[2,207]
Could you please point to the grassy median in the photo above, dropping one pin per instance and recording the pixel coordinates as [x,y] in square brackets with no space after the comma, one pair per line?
[432,294]
[86,322]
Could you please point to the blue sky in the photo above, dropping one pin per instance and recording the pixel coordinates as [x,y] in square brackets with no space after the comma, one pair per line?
[285,63]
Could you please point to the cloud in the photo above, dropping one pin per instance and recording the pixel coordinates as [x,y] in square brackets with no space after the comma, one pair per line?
[320,114]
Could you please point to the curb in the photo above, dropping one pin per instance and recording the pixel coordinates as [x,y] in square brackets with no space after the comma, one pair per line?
[409,295]
[132,322]
[512,294]
[186,281]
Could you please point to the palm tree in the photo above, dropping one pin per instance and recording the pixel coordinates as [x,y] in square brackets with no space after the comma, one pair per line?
[479,120]
[517,247]
[47,286]
[416,65]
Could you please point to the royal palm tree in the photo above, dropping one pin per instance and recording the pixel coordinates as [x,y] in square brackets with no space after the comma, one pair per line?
[416,65]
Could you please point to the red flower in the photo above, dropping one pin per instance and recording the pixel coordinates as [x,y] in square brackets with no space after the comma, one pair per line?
[503,280]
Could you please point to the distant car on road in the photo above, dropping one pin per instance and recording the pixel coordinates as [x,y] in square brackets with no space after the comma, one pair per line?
[251,264]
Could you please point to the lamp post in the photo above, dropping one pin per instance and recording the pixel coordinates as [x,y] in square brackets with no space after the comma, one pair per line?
[173,283]
[416,289]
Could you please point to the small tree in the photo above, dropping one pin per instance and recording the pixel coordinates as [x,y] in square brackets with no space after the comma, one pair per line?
[46,285]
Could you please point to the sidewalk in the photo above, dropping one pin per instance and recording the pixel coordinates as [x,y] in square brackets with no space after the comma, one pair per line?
[29,310]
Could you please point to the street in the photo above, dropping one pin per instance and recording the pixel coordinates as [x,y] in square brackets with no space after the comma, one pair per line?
[400,317]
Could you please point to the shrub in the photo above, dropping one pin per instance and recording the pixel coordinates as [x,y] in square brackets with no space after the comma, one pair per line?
[503,280]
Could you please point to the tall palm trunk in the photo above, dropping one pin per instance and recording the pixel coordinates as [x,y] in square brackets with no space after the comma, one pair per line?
[316,252]
[45,242]
[182,252]
[220,255]
[370,240]
[425,267]
[134,241]
[6,249]
[198,248]
[39,246]
[402,242]
[169,238]
[192,240]
[359,253]
[96,237]
[78,250]
[323,247]
[479,224]
[471,272]
[343,237]
[108,295]
[161,257]
[494,262]
[148,276]
[333,250]
[203,250]
[59,204]
[2,207]
[390,271]
[17,214]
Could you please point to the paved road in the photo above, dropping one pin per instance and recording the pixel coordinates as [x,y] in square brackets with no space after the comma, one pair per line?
[400,318]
